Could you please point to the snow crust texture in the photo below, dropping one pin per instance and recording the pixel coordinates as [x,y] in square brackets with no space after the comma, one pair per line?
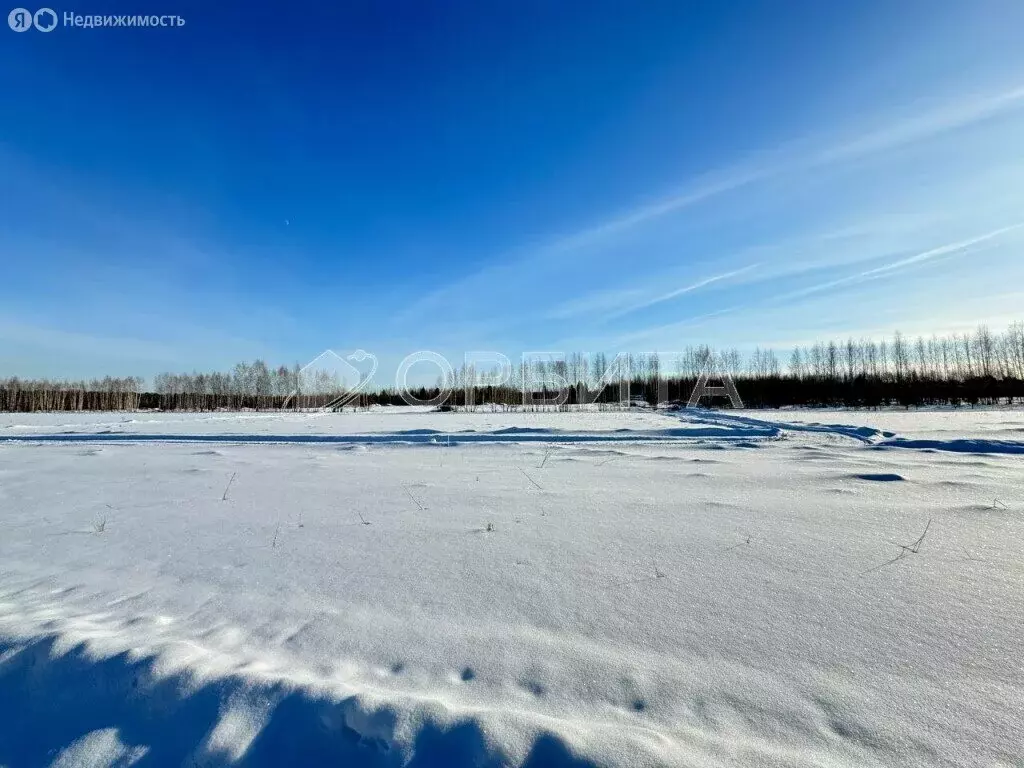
[403,588]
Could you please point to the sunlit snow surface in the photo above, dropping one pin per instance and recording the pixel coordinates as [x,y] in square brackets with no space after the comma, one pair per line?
[398,587]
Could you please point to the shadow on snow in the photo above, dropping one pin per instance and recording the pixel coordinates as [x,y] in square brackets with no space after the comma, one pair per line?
[399,438]
[726,427]
[957,446]
[53,701]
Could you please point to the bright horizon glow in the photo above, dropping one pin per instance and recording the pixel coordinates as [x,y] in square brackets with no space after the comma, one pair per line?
[572,178]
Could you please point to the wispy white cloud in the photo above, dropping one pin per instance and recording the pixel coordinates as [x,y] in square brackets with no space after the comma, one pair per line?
[931,253]
[765,306]
[947,117]
[811,155]
[616,303]
[892,135]
[703,188]
[598,302]
[942,250]
[652,301]
[669,329]
[801,155]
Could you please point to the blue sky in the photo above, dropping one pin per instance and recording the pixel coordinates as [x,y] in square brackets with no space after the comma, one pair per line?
[395,176]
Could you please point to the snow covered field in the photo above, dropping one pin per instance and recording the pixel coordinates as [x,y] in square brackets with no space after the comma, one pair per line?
[795,588]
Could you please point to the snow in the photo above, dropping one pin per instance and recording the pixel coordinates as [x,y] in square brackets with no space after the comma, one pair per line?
[393,420]
[629,588]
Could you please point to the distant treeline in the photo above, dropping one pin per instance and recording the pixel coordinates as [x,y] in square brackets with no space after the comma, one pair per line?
[108,394]
[971,368]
